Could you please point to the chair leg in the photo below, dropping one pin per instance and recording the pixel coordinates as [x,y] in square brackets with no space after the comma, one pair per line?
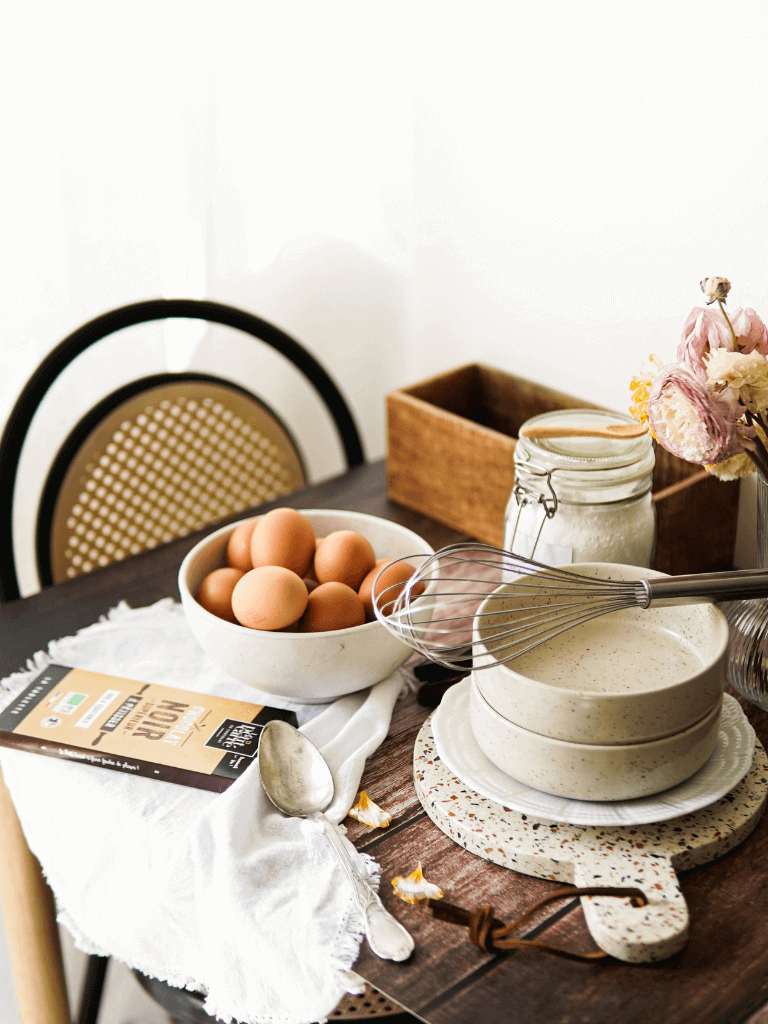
[34,949]
[93,986]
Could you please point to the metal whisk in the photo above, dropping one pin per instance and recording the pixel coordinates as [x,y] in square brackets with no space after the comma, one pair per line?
[472,605]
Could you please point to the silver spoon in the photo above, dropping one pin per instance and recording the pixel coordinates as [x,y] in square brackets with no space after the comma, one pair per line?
[298,781]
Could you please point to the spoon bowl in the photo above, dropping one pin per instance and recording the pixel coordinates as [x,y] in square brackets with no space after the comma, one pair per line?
[298,781]
[294,773]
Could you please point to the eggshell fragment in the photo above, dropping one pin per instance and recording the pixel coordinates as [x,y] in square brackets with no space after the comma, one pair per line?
[269,597]
[393,574]
[344,556]
[369,813]
[239,546]
[215,592]
[414,887]
[283,537]
[332,606]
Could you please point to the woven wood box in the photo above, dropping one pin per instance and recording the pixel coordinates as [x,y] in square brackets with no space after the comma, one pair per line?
[451,443]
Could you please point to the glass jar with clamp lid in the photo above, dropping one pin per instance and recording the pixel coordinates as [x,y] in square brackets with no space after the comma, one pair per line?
[582,490]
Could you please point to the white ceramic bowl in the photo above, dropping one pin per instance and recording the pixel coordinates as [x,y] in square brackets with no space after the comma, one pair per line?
[308,667]
[627,677]
[584,771]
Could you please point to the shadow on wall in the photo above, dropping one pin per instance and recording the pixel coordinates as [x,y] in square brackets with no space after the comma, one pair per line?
[352,310]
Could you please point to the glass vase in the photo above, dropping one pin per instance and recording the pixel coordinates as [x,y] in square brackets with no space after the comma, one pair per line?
[748,621]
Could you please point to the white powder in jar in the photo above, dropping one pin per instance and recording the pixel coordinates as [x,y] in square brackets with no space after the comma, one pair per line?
[623,531]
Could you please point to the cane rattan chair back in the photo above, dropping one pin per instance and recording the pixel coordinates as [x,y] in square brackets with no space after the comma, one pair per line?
[164,462]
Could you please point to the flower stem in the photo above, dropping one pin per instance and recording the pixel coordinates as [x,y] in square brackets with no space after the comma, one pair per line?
[760,455]
[735,345]
[761,468]
[763,460]
[763,452]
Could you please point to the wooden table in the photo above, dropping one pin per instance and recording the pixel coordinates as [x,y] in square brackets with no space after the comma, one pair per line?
[721,977]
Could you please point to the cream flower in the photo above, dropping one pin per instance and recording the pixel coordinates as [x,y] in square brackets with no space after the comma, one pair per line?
[732,469]
[745,374]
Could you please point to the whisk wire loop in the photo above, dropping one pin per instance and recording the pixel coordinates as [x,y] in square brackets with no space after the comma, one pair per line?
[474,601]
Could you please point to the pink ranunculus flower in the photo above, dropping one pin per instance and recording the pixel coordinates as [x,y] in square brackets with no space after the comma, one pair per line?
[751,333]
[704,331]
[693,422]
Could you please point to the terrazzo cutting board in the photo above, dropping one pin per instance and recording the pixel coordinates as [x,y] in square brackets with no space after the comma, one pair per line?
[647,856]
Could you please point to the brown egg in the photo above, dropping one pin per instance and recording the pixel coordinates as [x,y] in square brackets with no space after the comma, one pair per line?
[239,546]
[215,593]
[397,573]
[283,537]
[344,556]
[332,606]
[269,597]
[364,590]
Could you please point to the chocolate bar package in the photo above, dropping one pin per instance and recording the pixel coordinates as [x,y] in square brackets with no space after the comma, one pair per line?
[161,732]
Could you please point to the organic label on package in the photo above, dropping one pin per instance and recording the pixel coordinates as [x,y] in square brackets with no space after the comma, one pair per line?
[142,728]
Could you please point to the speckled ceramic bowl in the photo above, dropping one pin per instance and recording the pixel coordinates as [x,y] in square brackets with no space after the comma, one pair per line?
[627,677]
[585,771]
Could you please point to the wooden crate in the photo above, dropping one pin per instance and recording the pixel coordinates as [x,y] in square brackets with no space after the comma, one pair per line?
[451,443]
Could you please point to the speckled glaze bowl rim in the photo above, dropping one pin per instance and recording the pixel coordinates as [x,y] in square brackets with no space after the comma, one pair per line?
[279,636]
[619,696]
[607,749]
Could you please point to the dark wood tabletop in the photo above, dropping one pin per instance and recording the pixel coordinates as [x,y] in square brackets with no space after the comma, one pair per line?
[720,977]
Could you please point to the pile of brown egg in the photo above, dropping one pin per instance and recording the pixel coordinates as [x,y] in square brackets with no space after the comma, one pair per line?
[280,576]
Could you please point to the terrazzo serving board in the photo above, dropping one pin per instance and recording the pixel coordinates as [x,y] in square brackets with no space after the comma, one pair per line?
[646,856]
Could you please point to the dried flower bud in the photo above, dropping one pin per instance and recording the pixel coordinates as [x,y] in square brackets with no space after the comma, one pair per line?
[369,813]
[414,887]
[716,288]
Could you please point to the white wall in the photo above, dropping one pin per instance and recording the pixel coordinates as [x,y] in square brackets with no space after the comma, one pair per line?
[406,187]
[539,187]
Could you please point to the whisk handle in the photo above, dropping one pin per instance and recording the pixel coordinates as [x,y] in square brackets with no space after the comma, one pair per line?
[740,585]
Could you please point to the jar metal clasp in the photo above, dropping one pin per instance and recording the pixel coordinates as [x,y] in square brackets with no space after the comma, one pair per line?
[525,497]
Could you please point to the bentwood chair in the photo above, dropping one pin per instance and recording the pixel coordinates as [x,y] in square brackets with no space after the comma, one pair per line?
[157,458]
[162,455]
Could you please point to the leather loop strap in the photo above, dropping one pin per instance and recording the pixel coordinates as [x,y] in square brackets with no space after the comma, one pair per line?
[493,936]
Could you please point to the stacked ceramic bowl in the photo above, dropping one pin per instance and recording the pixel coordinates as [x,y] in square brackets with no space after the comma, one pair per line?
[623,706]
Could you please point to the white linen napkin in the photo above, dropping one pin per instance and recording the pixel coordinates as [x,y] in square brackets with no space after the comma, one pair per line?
[215,892]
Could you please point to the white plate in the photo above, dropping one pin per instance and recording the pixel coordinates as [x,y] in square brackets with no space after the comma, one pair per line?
[460,751]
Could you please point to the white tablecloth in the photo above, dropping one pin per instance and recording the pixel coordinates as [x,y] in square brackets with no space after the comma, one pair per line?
[216,892]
